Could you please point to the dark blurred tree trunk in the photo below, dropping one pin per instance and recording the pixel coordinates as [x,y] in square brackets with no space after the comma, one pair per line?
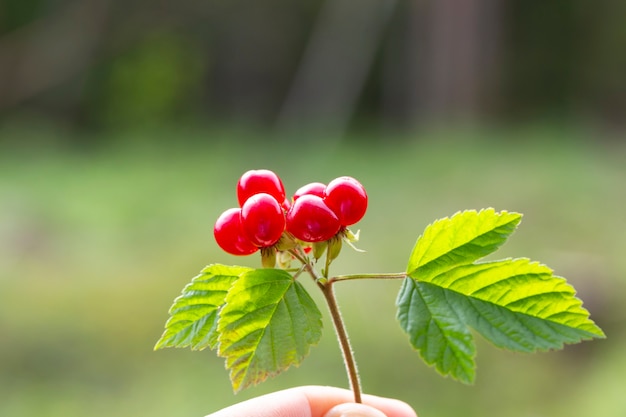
[336,62]
[447,71]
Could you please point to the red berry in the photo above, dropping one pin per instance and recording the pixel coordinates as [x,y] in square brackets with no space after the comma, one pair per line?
[310,220]
[229,233]
[286,204]
[347,198]
[314,188]
[263,219]
[259,181]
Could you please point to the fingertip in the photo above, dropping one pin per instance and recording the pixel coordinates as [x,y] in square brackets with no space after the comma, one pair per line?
[354,410]
[390,406]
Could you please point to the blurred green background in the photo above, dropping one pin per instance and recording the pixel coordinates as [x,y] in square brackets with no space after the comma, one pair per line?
[124,127]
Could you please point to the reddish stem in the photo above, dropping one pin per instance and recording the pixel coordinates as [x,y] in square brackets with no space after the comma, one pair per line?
[344,341]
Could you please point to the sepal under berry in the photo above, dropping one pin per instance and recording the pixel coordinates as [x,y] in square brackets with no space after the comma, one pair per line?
[284,259]
[319,249]
[334,247]
[351,238]
[268,257]
[286,242]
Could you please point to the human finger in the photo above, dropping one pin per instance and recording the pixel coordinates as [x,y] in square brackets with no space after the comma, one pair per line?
[354,410]
[310,401]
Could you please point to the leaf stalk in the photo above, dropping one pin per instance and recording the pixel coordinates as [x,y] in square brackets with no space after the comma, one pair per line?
[398,275]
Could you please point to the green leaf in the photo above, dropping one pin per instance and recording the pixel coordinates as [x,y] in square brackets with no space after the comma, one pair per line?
[194,314]
[435,330]
[516,304]
[461,239]
[268,323]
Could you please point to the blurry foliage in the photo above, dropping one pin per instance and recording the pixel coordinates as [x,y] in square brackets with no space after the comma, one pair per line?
[236,61]
[156,79]
[16,13]
[92,238]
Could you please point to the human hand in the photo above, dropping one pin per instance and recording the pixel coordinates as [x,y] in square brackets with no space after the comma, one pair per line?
[316,401]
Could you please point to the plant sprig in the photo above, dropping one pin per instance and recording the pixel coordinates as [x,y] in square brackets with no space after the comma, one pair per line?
[263,321]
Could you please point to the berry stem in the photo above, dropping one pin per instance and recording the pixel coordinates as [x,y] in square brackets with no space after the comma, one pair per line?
[344,341]
[297,253]
[337,278]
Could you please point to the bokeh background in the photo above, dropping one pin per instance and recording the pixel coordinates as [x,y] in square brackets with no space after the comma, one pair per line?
[124,126]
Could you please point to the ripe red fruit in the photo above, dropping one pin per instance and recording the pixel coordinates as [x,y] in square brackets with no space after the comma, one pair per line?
[263,219]
[286,204]
[310,220]
[314,188]
[229,233]
[259,181]
[347,198]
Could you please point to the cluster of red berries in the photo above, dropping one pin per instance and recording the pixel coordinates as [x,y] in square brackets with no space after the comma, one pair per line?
[316,212]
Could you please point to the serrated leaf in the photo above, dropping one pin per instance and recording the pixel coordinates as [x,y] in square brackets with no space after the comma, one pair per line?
[435,330]
[194,314]
[461,239]
[516,304]
[268,323]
